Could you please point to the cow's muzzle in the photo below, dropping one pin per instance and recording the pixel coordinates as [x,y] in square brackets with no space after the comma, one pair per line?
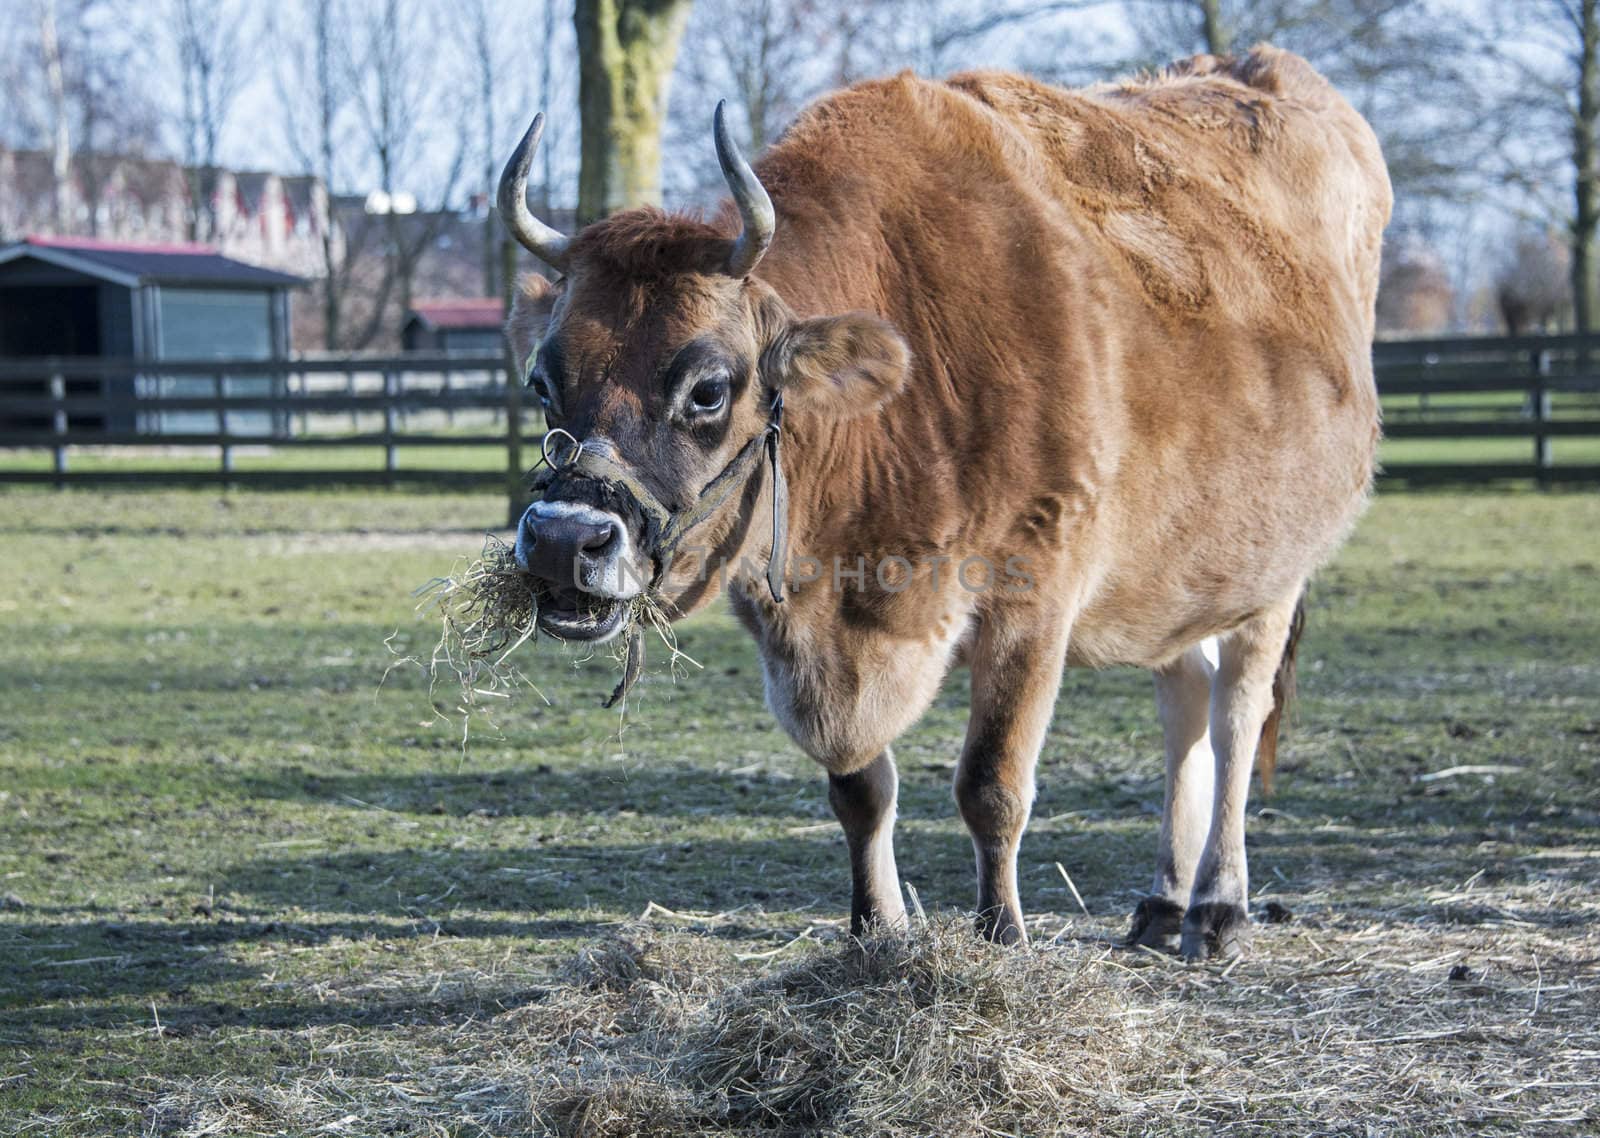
[593,564]
[586,557]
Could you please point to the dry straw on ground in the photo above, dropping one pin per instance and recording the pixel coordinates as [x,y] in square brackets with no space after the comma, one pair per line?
[938,1033]
[655,1033]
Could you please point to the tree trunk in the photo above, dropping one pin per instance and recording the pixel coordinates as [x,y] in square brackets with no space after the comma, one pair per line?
[753,73]
[332,308]
[1586,216]
[485,50]
[1219,40]
[60,142]
[327,112]
[626,49]
[508,247]
[546,86]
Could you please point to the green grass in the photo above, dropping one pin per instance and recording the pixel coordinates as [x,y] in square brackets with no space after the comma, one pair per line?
[1489,404]
[1571,451]
[1579,450]
[217,815]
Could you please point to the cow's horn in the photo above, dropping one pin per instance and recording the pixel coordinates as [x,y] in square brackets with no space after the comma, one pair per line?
[549,245]
[755,207]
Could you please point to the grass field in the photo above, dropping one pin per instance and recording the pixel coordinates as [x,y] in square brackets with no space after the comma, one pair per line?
[246,890]
[1565,451]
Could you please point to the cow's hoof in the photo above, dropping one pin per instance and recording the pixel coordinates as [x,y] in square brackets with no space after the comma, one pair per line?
[1001,926]
[1157,923]
[1215,930]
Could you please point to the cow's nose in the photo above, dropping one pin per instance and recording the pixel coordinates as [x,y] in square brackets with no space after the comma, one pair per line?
[566,546]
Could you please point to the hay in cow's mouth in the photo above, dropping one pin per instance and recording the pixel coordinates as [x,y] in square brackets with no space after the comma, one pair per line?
[571,614]
[487,609]
[490,608]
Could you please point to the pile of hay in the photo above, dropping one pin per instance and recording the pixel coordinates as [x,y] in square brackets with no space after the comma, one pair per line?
[1351,1024]
[936,1033]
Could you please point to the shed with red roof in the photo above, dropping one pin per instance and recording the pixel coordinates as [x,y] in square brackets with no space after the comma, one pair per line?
[455,324]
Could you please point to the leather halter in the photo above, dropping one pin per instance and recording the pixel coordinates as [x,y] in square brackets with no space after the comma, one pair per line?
[664,529]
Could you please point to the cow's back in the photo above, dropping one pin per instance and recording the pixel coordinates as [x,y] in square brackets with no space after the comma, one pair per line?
[1233,189]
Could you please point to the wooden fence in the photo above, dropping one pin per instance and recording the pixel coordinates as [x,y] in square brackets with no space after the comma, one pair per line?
[1530,405]
[452,403]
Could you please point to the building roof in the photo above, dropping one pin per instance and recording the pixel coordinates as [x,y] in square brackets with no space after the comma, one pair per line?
[457,313]
[132,265]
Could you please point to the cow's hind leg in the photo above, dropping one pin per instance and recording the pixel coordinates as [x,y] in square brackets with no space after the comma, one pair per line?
[1016,672]
[1183,697]
[864,803]
[1216,923]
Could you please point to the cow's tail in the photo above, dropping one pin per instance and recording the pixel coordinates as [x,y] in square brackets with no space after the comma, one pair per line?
[1282,695]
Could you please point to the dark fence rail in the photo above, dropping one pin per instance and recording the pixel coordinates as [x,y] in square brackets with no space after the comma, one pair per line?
[454,402]
[1537,389]
[1443,397]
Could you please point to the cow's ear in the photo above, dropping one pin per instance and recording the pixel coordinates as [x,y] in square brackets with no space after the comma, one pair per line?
[530,314]
[840,365]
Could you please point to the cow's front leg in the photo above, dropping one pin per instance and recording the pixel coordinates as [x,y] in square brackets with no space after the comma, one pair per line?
[1217,923]
[865,805]
[1016,672]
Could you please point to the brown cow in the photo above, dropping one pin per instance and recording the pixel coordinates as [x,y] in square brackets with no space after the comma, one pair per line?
[1070,377]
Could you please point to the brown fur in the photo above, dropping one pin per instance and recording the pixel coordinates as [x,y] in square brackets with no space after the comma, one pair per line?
[1122,333]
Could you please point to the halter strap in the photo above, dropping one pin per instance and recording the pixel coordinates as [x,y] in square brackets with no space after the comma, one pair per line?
[672,526]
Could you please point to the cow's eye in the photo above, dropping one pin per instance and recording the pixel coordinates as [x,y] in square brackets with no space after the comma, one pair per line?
[541,388]
[709,396]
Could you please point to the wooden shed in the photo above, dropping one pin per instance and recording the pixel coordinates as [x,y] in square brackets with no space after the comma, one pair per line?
[455,324]
[80,297]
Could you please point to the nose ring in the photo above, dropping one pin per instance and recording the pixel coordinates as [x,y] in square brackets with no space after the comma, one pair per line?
[566,455]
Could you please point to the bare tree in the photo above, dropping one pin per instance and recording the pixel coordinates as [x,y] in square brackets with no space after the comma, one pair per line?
[1585,108]
[391,72]
[555,131]
[1180,27]
[1218,39]
[68,87]
[769,58]
[954,28]
[60,138]
[210,43]
[544,27]
[114,118]
[1548,119]
[547,71]
[503,96]
[626,50]
[314,99]
[483,49]
[764,46]
[758,54]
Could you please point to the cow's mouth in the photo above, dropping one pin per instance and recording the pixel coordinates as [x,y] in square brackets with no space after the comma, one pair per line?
[572,614]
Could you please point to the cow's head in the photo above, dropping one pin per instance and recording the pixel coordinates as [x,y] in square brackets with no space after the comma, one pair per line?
[661,354]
